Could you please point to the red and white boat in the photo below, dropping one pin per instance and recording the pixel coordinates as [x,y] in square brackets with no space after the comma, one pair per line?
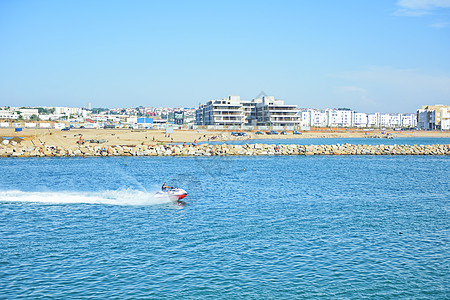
[174,194]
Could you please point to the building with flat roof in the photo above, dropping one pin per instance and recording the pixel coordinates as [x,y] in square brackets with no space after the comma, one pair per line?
[432,117]
[232,111]
[225,112]
[348,118]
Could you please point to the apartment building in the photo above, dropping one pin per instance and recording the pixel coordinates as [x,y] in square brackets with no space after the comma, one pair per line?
[408,120]
[361,120]
[445,119]
[390,120]
[272,112]
[377,120]
[339,118]
[348,118]
[232,111]
[432,117]
[225,112]
[315,118]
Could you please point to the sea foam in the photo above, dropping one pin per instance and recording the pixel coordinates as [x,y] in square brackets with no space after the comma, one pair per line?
[119,197]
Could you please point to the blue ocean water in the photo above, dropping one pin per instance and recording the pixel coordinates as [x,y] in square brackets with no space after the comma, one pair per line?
[253,227]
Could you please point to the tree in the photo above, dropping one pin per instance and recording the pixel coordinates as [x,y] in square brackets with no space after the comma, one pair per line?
[45,111]
[97,110]
[34,118]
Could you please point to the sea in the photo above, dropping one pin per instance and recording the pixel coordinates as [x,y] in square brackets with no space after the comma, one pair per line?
[263,227]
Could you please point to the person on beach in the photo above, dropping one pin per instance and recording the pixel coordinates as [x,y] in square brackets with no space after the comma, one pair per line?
[166,187]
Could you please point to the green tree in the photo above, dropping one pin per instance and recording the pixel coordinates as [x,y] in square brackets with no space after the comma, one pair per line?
[43,111]
[97,110]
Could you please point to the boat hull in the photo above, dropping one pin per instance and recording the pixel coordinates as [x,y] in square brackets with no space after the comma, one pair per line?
[172,194]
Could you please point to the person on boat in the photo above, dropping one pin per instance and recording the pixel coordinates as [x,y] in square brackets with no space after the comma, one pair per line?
[166,187]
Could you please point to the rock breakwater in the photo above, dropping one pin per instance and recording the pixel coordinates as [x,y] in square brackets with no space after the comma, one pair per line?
[16,150]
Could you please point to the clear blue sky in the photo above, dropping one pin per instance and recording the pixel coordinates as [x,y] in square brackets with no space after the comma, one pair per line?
[378,55]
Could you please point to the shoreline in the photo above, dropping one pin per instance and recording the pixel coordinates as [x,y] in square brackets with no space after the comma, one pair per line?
[126,142]
[207,150]
[111,137]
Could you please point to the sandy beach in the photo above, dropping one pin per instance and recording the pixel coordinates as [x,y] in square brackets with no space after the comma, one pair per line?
[35,137]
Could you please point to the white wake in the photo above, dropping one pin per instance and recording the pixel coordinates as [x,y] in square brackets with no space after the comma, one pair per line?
[120,197]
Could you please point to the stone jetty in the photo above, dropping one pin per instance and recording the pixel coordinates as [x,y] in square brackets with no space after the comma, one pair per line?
[14,149]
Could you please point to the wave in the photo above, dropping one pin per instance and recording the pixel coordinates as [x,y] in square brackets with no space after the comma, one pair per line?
[119,197]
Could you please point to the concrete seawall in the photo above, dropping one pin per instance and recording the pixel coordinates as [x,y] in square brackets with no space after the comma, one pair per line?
[16,150]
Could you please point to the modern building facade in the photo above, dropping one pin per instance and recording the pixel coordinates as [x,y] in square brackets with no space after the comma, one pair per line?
[347,118]
[432,117]
[225,112]
[232,111]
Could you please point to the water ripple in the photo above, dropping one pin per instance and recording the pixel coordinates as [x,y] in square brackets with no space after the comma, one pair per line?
[286,227]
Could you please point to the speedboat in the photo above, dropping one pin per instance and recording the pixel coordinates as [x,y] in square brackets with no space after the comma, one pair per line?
[174,194]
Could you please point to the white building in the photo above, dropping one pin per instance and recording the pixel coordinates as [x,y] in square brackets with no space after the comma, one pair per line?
[7,114]
[225,112]
[27,113]
[318,118]
[445,119]
[346,118]
[339,118]
[408,121]
[390,120]
[272,112]
[361,120]
[373,120]
[266,111]
[68,111]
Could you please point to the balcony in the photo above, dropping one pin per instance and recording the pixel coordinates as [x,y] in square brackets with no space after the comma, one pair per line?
[228,115]
[222,108]
[282,108]
[286,121]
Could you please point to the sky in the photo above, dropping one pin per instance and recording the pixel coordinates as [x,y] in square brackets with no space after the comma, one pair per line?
[370,56]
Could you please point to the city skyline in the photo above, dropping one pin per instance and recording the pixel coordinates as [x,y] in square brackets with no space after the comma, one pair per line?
[383,56]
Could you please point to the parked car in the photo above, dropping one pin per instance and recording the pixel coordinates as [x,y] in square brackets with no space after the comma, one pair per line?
[239,134]
[283,132]
[296,132]
[100,141]
[259,132]
[268,132]
[65,129]
[273,132]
